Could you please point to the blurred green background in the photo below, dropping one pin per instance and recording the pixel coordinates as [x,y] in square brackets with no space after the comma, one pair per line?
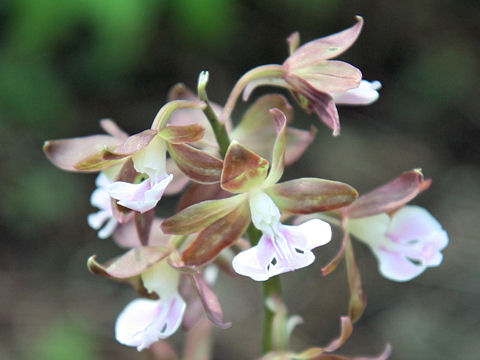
[66,64]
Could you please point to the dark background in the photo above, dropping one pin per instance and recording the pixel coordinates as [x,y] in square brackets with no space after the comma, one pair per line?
[65,65]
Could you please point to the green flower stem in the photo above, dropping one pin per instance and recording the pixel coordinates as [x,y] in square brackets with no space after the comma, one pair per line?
[271,287]
[218,127]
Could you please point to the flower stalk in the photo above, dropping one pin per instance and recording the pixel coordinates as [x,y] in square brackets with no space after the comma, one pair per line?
[218,127]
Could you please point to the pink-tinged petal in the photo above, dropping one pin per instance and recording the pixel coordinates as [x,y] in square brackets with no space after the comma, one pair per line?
[134,262]
[293,42]
[328,76]
[144,321]
[68,153]
[365,94]
[312,233]
[325,48]
[310,195]
[132,145]
[318,101]
[396,267]
[388,197]
[209,301]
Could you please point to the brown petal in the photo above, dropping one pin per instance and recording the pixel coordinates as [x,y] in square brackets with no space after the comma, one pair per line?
[143,224]
[242,169]
[196,164]
[199,216]
[388,197]
[209,300]
[217,236]
[320,102]
[182,134]
[309,195]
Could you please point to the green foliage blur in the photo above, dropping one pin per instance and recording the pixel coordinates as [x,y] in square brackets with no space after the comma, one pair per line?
[66,64]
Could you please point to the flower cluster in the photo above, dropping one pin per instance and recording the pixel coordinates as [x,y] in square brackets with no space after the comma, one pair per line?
[229,180]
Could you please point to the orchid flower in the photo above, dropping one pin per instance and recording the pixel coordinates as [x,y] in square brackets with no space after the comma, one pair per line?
[316,81]
[405,244]
[145,195]
[257,198]
[103,219]
[148,151]
[145,321]
[174,297]
[281,248]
